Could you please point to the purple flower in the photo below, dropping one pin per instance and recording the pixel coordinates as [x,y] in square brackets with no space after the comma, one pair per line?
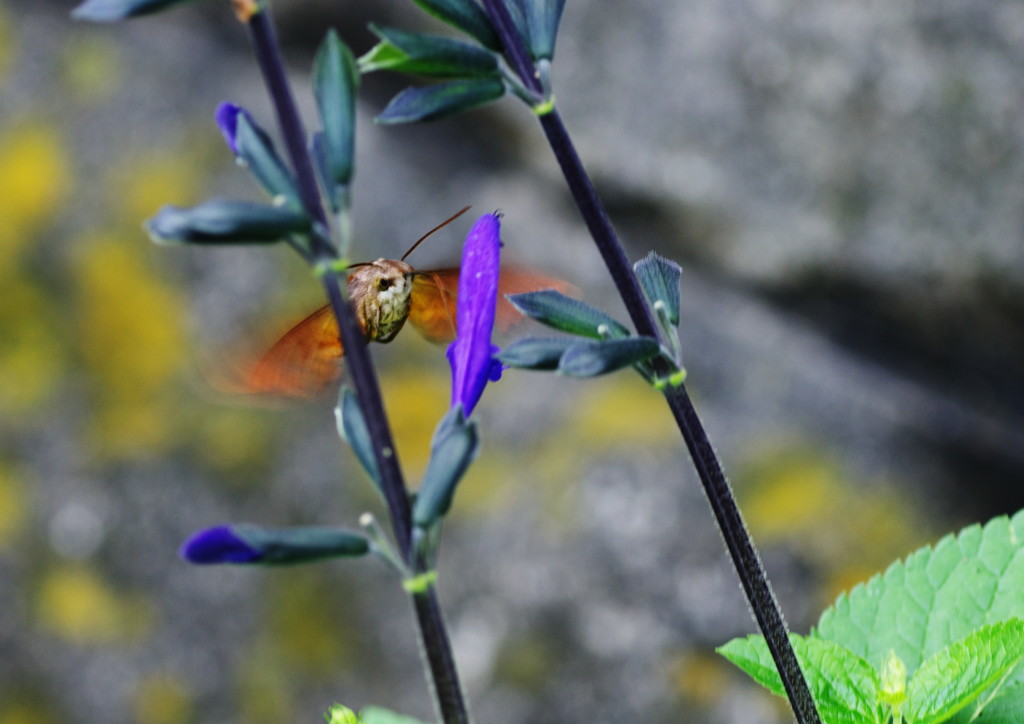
[227,119]
[219,545]
[471,355]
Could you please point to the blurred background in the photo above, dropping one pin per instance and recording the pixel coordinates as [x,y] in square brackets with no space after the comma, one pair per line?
[842,184]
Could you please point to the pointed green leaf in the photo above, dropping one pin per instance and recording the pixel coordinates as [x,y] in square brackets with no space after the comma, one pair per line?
[536,353]
[280,546]
[339,714]
[937,596]
[588,359]
[335,81]
[104,11]
[844,686]
[1006,708]
[659,278]
[379,715]
[467,16]
[951,678]
[564,313]
[225,222]
[428,55]
[454,447]
[257,151]
[352,428]
[436,101]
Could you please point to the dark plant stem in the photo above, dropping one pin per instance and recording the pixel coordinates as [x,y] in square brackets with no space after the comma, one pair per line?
[716,487]
[433,633]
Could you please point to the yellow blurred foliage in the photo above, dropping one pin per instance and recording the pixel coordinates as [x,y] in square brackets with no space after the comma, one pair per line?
[700,677]
[76,604]
[132,340]
[91,68]
[234,440]
[416,399]
[263,694]
[32,352]
[162,699]
[33,182]
[620,412]
[140,184]
[13,504]
[19,713]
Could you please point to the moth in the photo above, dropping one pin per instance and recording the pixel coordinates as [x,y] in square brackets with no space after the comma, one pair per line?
[385,294]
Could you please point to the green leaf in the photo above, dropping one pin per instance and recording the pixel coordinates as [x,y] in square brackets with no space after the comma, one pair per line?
[428,55]
[1006,708]
[352,428]
[564,313]
[542,19]
[844,686]
[436,101]
[339,714]
[589,359]
[454,447]
[301,545]
[659,278]
[536,353]
[257,152]
[378,715]
[467,16]
[105,11]
[951,678]
[935,597]
[226,222]
[335,81]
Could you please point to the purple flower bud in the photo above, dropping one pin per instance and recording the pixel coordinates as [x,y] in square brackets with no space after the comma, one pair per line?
[227,119]
[471,355]
[219,545]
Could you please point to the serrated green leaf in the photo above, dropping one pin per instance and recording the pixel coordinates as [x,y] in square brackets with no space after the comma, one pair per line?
[428,55]
[589,359]
[225,222]
[436,101]
[379,715]
[937,596]
[103,11]
[1006,708]
[844,686]
[352,428]
[659,278]
[951,678]
[558,311]
[467,16]
[455,445]
[335,82]
[536,353]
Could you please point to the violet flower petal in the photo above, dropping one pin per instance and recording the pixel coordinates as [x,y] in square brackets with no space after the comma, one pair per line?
[219,545]
[227,120]
[471,355]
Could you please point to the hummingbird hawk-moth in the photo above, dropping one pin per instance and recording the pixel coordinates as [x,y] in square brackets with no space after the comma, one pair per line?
[385,293]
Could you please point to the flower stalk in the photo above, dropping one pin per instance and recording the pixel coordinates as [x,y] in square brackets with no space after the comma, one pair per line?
[716,487]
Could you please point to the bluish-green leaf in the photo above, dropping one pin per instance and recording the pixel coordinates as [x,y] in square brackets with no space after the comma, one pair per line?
[352,428]
[105,11]
[536,353]
[556,310]
[335,82]
[428,55]
[935,597]
[443,99]
[467,16]
[454,447]
[844,686]
[226,222]
[379,715]
[659,278]
[588,359]
[542,19]
[519,12]
[302,544]
[257,151]
[953,677]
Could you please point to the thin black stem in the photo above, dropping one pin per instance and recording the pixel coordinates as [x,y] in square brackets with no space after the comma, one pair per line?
[716,487]
[433,633]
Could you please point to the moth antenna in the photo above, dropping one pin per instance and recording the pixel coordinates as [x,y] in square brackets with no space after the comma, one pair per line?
[443,224]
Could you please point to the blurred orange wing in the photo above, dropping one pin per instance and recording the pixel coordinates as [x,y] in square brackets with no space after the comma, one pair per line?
[302,363]
[434,294]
